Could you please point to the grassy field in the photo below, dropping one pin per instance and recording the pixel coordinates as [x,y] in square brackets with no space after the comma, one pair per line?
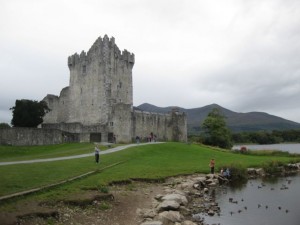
[17,153]
[148,161]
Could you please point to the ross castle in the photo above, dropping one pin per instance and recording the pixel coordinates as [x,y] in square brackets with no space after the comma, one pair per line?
[97,106]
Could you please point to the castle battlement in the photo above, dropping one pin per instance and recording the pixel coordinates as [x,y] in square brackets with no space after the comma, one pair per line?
[105,50]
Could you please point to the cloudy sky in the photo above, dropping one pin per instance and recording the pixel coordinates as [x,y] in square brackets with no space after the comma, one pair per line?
[241,54]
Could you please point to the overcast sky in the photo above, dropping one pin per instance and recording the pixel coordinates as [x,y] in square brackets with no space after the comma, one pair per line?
[241,54]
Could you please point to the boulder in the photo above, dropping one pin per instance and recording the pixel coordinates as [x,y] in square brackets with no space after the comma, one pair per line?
[222,180]
[291,166]
[158,197]
[152,223]
[168,205]
[212,184]
[170,217]
[206,190]
[146,213]
[179,198]
[188,222]
[211,212]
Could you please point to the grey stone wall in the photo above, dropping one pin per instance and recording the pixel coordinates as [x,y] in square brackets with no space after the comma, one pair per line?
[166,127]
[34,136]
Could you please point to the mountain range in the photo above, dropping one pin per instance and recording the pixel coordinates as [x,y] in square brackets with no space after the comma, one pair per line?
[236,122]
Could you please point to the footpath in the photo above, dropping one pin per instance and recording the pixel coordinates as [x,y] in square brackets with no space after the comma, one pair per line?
[22,193]
[111,150]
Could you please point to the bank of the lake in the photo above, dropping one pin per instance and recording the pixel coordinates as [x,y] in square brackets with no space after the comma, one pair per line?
[291,148]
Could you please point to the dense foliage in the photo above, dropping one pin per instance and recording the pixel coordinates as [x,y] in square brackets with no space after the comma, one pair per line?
[264,137]
[28,113]
[216,132]
[4,125]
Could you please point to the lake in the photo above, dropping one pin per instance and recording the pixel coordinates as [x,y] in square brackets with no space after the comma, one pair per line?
[259,202]
[272,201]
[292,148]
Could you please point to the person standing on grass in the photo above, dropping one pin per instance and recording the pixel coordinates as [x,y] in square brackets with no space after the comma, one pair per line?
[212,166]
[97,153]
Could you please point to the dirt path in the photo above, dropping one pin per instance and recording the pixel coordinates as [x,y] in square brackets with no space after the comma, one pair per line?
[121,210]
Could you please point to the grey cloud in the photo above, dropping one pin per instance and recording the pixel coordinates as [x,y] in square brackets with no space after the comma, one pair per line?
[243,55]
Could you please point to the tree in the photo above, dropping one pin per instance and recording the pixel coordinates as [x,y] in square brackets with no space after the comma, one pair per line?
[4,125]
[216,132]
[28,113]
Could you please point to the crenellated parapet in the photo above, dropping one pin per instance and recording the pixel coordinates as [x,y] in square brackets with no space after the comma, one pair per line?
[104,50]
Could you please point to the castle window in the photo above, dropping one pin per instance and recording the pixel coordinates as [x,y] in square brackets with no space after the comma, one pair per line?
[111,124]
[84,69]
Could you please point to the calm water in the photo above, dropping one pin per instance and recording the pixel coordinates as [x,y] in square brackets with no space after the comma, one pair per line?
[292,148]
[260,202]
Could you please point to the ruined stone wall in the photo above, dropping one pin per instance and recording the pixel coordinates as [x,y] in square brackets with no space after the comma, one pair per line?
[166,127]
[31,136]
[83,132]
[59,106]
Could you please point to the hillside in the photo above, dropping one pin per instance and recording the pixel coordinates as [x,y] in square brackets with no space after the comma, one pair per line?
[237,122]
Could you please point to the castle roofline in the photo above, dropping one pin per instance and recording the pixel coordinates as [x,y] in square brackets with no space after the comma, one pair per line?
[101,47]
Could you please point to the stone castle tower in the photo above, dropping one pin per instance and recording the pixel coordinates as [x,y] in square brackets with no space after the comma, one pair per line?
[98,103]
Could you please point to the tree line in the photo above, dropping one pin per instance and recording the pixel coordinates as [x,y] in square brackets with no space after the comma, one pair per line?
[265,137]
[256,137]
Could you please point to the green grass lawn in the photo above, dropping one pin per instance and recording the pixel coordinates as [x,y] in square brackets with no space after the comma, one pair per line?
[147,161]
[18,153]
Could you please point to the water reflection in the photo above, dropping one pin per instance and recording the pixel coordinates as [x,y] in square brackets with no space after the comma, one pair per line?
[261,202]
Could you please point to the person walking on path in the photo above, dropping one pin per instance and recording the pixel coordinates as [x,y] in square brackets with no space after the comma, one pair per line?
[212,166]
[97,154]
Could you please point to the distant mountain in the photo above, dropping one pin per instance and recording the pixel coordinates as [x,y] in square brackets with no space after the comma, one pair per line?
[237,122]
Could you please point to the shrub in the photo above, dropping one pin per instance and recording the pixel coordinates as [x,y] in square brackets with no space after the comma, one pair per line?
[103,189]
[237,171]
[273,167]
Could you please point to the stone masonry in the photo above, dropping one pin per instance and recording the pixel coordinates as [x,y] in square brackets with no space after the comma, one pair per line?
[98,103]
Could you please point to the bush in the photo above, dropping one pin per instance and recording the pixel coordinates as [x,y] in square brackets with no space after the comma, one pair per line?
[273,167]
[237,171]
[103,189]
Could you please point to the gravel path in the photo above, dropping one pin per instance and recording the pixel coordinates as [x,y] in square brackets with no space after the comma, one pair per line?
[116,149]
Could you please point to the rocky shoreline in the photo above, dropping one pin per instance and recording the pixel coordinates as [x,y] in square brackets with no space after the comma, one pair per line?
[185,199]
[188,198]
